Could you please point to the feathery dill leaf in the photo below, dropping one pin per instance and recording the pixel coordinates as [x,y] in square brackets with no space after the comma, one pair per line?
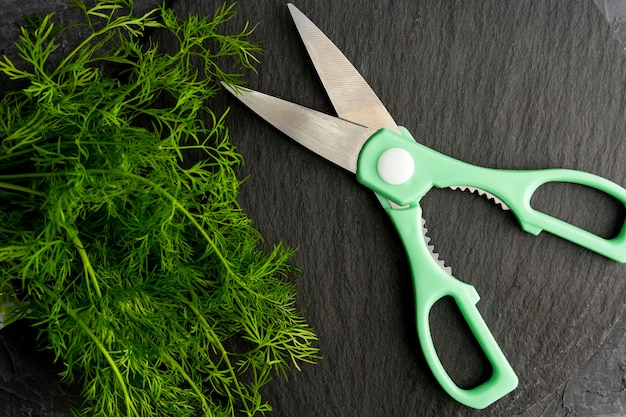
[135,260]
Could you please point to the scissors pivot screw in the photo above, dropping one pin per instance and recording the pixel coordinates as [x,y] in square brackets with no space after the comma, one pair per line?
[395,166]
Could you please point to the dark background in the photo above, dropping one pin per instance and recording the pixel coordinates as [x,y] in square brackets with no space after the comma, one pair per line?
[506,84]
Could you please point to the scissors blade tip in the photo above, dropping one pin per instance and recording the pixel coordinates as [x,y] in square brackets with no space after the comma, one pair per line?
[351,96]
[234,90]
[293,9]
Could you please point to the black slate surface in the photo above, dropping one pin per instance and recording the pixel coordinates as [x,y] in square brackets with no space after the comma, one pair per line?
[525,84]
[498,84]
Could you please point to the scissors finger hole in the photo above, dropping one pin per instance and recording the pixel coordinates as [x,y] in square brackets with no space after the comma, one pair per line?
[457,348]
[585,207]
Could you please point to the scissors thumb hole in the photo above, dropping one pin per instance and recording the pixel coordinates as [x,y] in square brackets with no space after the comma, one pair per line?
[582,206]
[456,346]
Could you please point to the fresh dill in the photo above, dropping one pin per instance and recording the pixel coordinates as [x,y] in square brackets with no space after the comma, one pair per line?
[134,259]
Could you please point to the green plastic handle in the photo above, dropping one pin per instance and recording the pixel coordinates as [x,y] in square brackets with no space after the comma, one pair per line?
[431,283]
[402,171]
[514,188]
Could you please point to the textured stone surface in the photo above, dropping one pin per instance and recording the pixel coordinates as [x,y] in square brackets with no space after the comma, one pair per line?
[599,389]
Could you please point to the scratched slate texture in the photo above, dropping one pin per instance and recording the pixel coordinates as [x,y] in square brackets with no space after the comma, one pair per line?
[598,389]
[513,84]
[501,84]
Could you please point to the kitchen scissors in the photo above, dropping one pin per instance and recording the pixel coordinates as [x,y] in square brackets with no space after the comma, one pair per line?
[365,140]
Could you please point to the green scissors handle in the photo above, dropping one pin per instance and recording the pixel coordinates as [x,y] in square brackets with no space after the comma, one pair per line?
[430,284]
[402,171]
[515,188]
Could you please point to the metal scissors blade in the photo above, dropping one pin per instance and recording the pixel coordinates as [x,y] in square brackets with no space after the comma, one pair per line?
[351,96]
[337,140]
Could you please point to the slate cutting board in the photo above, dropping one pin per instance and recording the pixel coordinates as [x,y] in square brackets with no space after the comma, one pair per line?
[524,84]
[502,84]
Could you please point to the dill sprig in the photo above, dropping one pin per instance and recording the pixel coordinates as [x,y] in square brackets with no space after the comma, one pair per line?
[136,262]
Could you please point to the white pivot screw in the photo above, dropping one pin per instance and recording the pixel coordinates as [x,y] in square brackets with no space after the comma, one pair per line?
[395,166]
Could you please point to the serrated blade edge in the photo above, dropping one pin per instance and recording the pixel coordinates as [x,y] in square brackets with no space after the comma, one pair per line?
[482,193]
[432,251]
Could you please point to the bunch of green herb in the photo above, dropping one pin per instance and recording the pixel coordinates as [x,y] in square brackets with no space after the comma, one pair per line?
[144,275]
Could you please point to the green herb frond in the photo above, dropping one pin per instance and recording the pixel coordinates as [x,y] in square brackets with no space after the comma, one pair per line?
[119,220]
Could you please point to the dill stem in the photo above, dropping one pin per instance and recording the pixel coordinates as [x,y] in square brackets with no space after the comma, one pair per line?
[89,271]
[103,350]
[192,384]
[207,327]
[109,27]
[28,175]
[64,63]
[8,186]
